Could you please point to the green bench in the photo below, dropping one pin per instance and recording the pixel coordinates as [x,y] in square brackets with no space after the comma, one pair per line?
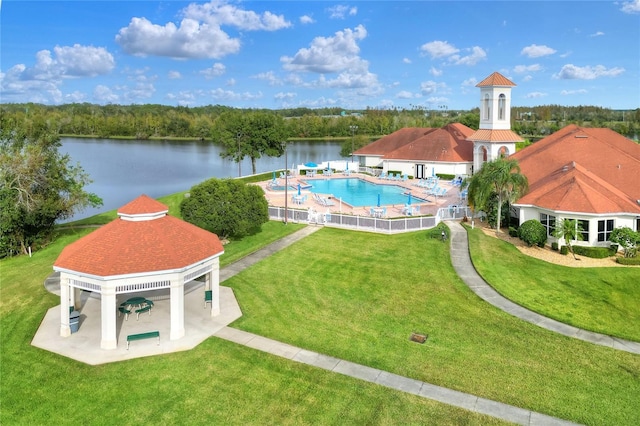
[140,336]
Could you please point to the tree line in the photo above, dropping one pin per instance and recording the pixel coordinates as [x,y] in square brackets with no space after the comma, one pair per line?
[162,121]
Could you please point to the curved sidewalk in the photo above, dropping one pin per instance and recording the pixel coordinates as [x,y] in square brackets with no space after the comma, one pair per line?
[461,260]
[404,384]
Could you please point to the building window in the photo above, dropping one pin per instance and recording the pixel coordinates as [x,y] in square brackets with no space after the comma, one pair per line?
[638,225]
[487,107]
[584,225]
[549,223]
[604,229]
[501,105]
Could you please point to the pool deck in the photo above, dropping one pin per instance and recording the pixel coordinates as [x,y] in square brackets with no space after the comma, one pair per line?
[429,207]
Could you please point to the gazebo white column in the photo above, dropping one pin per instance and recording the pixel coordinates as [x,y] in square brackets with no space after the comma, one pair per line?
[176,300]
[65,330]
[108,316]
[214,278]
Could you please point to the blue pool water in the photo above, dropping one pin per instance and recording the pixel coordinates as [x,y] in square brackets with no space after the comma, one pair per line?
[360,193]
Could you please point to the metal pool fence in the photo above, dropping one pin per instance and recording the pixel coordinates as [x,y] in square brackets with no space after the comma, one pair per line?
[366,223]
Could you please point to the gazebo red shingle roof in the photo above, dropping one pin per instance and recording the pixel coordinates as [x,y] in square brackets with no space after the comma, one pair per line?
[125,246]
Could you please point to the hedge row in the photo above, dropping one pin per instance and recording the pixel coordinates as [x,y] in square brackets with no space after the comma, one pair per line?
[628,260]
[593,252]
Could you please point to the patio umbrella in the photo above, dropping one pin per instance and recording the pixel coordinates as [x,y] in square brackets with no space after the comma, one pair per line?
[433,171]
[273,175]
[347,166]
[310,164]
[378,200]
[409,200]
[298,189]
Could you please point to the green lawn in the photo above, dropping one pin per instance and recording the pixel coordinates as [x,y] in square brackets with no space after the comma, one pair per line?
[604,300]
[216,383]
[348,294]
[358,296]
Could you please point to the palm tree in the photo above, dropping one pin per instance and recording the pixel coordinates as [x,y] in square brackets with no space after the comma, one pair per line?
[501,177]
[569,230]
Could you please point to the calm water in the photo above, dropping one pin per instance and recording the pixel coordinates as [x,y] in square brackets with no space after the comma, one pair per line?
[123,170]
[360,193]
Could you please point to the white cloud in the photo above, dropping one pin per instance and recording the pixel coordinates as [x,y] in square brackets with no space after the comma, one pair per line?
[574,92]
[190,40]
[470,82]
[269,77]
[535,51]
[443,49]
[102,94]
[74,97]
[341,11]
[174,75]
[199,34]
[526,78]
[572,72]
[41,82]
[406,60]
[519,69]
[83,61]
[219,13]
[404,94]
[438,49]
[631,6]
[306,19]
[597,34]
[435,72]
[231,82]
[535,95]
[431,87]
[228,95]
[215,71]
[477,54]
[330,54]
[282,96]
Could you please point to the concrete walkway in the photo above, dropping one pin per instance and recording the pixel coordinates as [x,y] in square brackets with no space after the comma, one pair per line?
[464,268]
[404,384]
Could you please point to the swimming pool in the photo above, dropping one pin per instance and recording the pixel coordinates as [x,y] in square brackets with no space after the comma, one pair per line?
[360,193]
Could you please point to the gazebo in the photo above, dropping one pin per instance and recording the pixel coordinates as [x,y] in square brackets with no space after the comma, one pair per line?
[145,249]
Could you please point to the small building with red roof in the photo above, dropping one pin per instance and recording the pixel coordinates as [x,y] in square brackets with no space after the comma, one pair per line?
[143,250]
[454,149]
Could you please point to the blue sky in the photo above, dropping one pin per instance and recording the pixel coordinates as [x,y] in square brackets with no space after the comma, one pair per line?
[287,54]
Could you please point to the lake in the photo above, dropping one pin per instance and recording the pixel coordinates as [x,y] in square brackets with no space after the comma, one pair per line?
[122,170]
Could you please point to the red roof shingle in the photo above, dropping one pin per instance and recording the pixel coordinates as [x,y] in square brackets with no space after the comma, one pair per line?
[496,79]
[447,144]
[582,170]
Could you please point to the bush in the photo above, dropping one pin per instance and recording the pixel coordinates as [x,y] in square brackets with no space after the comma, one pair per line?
[628,260]
[437,231]
[554,246]
[564,250]
[593,252]
[227,207]
[513,232]
[533,232]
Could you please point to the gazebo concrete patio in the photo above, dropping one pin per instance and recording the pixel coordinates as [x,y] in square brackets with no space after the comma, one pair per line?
[84,345]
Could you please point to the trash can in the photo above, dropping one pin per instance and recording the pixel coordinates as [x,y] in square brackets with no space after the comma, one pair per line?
[74,321]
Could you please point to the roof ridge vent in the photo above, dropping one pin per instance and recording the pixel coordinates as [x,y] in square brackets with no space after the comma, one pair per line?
[581,136]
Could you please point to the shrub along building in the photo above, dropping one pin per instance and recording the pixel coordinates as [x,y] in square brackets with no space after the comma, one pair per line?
[588,174]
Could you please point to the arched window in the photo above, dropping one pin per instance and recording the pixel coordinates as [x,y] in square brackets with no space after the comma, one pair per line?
[487,107]
[501,105]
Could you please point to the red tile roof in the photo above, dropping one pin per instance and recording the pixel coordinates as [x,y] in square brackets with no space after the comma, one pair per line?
[138,246]
[582,170]
[143,205]
[448,144]
[496,79]
[495,136]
